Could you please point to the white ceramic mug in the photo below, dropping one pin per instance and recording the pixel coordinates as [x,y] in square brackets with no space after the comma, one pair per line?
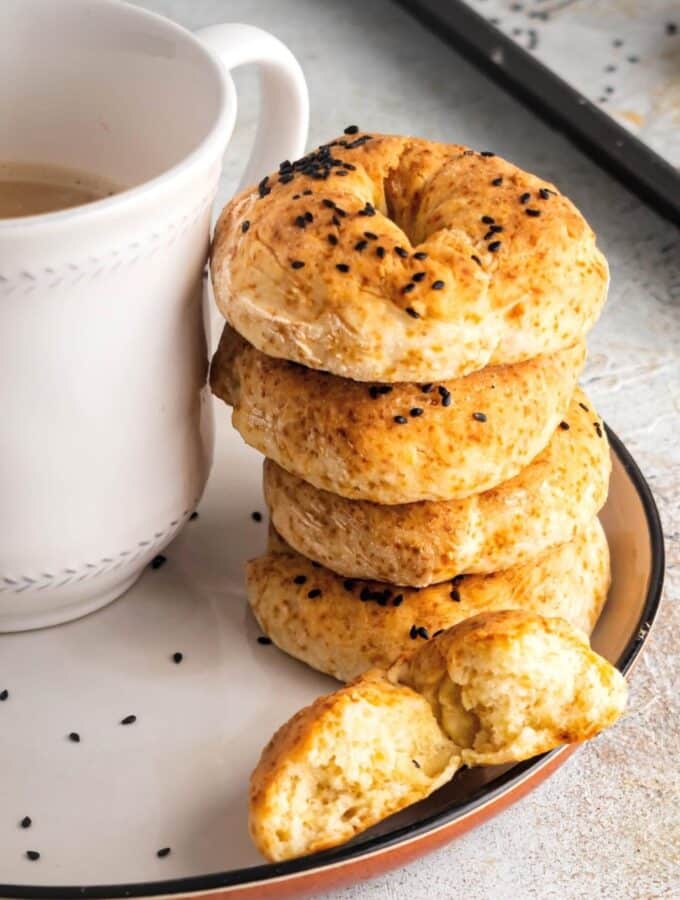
[105,423]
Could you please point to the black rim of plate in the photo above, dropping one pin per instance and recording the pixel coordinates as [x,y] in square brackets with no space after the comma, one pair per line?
[268,871]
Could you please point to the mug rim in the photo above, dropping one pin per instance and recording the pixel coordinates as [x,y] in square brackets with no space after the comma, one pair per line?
[216,138]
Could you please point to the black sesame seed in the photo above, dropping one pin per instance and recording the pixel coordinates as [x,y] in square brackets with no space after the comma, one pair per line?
[256,516]
[423,632]
[438,285]
[497,182]
[74,737]
[486,153]
[314,593]
[361,245]
[26,822]
[329,204]
[380,252]
[400,420]
[476,259]
[158,561]
[418,276]
[332,239]
[524,198]
[413,633]
[351,129]
[128,720]
[300,579]
[532,212]
[398,600]
[416,411]
[412,312]
[455,595]
[177,657]
[342,267]
[32,855]
[401,252]
[297,264]
[479,417]
[264,640]
[416,763]
[348,584]
[245,226]
[426,388]
[408,288]
[494,246]
[488,220]
[420,255]
[300,221]
[564,426]
[163,852]
[4,694]
[370,235]
[193,516]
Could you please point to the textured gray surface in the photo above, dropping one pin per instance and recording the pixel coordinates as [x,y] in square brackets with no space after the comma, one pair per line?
[607,824]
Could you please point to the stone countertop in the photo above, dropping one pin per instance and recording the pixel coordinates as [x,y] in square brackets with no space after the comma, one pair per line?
[603,826]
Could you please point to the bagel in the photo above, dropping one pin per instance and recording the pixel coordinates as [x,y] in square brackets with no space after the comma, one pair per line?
[418,544]
[416,442]
[318,617]
[423,262]
[500,687]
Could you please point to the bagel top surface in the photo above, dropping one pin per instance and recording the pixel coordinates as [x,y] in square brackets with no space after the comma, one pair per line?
[398,259]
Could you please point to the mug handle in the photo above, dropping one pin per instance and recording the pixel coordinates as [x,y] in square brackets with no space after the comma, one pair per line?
[284,106]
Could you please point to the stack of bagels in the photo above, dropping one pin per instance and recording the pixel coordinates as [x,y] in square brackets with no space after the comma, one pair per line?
[405,331]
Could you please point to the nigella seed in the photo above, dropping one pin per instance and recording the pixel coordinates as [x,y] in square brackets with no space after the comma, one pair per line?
[564,426]
[413,633]
[297,264]
[418,276]
[495,229]
[177,657]
[446,399]
[420,255]
[306,193]
[488,220]
[264,640]
[479,416]
[74,737]
[300,579]
[300,221]
[349,167]
[163,852]
[342,267]
[438,285]
[370,235]
[193,516]
[416,411]
[380,252]
[533,212]
[351,129]
[32,855]
[4,694]
[245,226]
[400,420]
[426,388]
[314,593]
[340,212]
[332,239]
[493,246]
[544,193]
[348,584]
[497,182]
[457,579]
[488,235]
[361,245]
[158,561]
[336,221]
[423,633]
[286,178]
[486,153]
[412,312]
[524,198]
[26,822]
[408,288]
[128,720]
[455,595]
[309,217]
[401,252]
[329,204]
[256,516]
[398,600]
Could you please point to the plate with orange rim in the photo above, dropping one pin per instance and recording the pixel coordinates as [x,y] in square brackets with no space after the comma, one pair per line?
[157,807]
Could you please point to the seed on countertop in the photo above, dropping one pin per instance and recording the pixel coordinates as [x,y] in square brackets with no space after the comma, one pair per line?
[193,516]
[177,657]
[158,561]
[32,855]
[351,129]
[74,737]
[4,694]
[256,516]
[264,640]
[163,852]
[26,822]
[128,720]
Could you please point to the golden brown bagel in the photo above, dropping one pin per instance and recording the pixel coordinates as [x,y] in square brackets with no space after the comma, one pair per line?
[499,687]
[416,442]
[319,617]
[418,544]
[386,258]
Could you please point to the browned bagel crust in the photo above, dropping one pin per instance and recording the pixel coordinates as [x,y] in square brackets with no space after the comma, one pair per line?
[451,440]
[409,261]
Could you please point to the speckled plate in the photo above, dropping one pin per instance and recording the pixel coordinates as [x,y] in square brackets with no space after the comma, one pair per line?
[102,807]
